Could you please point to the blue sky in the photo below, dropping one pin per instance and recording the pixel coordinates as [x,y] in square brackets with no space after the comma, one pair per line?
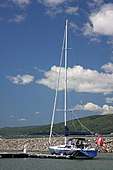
[31,34]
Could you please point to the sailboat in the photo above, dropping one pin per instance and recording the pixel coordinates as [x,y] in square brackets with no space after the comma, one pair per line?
[73,147]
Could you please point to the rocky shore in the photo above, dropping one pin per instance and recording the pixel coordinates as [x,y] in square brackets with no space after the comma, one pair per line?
[40,145]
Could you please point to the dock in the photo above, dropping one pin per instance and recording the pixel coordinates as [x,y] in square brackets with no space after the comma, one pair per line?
[13,155]
[32,155]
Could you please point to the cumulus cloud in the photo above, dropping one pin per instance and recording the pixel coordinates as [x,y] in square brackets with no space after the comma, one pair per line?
[88,107]
[92,107]
[79,80]
[102,20]
[108,68]
[21,79]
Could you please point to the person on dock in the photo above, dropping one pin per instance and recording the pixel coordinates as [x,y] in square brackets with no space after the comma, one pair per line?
[101,145]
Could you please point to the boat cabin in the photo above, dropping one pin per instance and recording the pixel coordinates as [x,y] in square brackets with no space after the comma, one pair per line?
[77,142]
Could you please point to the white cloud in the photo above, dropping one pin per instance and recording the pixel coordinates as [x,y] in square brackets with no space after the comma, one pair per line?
[92,107]
[105,109]
[109,99]
[54,7]
[21,79]
[17,10]
[79,79]
[95,39]
[102,20]
[18,18]
[71,10]
[88,107]
[73,25]
[88,30]
[37,113]
[108,68]
[21,3]
[52,3]
[54,11]
[22,119]
[75,28]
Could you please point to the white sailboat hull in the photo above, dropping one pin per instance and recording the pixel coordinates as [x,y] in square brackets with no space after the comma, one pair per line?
[73,151]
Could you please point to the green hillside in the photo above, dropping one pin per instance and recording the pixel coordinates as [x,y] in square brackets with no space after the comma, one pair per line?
[98,124]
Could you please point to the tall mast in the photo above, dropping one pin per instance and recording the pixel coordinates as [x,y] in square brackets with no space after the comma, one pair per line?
[56,93]
[65,91]
[65,53]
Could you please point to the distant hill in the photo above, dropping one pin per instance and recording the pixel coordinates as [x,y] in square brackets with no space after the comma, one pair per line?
[97,124]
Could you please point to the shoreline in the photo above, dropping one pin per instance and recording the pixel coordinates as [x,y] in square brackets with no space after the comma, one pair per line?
[40,145]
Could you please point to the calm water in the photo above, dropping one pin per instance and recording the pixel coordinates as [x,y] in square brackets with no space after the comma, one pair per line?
[102,162]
